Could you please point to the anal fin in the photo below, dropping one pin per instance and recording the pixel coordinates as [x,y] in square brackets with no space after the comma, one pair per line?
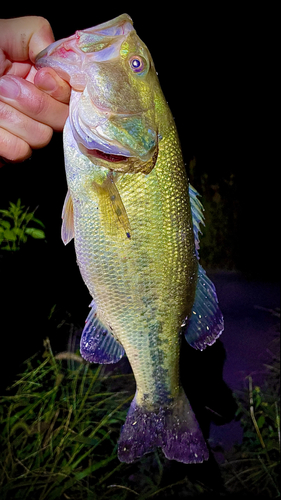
[97,343]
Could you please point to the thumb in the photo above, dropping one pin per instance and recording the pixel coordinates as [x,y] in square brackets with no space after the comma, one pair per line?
[22,38]
[48,80]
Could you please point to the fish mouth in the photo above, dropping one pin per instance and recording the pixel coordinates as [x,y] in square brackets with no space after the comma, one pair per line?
[68,55]
[110,157]
[121,163]
[101,149]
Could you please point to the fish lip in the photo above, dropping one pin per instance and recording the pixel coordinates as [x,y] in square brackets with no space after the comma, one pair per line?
[118,21]
[117,28]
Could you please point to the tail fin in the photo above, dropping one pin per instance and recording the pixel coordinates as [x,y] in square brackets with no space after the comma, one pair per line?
[174,428]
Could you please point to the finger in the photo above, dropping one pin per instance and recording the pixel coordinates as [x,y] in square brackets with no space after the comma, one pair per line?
[47,79]
[36,134]
[23,38]
[13,148]
[21,69]
[5,64]
[31,101]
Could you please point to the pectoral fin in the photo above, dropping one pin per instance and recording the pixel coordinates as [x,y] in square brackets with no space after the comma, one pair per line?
[112,207]
[67,228]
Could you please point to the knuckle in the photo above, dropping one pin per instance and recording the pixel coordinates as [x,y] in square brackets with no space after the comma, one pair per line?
[39,104]
[43,21]
[5,112]
[13,148]
[20,151]
[9,117]
[40,23]
[43,136]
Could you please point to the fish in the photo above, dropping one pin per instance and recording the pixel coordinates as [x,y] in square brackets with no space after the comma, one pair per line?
[135,221]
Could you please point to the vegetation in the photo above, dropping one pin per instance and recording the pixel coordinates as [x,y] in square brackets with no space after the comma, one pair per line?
[60,423]
[15,227]
[254,466]
[59,429]
[219,199]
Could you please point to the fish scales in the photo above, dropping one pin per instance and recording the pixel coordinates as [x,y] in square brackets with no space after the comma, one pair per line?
[135,281]
[135,225]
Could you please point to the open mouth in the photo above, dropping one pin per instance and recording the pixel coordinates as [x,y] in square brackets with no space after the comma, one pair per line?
[107,156]
[124,163]
[101,155]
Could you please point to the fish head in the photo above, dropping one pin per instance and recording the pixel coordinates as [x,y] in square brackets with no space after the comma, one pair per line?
[113,112]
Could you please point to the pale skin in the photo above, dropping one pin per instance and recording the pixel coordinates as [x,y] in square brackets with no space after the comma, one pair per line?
[32,103]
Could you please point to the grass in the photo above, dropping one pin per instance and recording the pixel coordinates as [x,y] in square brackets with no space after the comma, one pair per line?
[59,431]
[60,423]
[59,427]
[254,466]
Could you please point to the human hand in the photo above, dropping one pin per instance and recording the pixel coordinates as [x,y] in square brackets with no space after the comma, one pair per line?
[32,103]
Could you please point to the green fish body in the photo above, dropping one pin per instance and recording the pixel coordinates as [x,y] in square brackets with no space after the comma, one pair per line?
[135,224]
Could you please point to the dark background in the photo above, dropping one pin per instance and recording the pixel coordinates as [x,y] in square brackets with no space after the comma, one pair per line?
[213,66]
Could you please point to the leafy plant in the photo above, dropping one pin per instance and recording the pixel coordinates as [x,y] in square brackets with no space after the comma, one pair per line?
[15,227]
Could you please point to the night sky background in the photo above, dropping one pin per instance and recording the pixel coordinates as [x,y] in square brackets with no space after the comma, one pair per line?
[213,68]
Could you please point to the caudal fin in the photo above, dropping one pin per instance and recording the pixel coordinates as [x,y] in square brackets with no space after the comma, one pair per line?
[174,428]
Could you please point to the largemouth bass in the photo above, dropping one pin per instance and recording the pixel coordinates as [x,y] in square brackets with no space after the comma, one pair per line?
[135,224]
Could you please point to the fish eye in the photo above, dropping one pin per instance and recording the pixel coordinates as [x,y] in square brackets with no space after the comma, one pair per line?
[137,64]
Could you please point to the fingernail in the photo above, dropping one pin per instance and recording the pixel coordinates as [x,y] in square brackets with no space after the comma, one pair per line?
[9,87]
[48,83]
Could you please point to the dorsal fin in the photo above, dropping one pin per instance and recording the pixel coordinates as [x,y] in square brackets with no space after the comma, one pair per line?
[206,323]
[197,216]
